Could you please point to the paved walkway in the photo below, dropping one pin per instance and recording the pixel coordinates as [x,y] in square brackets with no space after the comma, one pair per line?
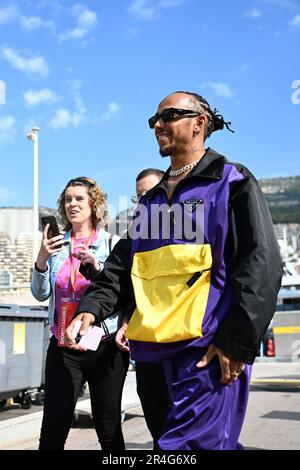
[272,420]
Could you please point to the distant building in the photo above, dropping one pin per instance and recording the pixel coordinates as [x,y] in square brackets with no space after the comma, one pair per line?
[15,220]
[15,262]
[119,225]
[288,236]
[16,244]
[24,242]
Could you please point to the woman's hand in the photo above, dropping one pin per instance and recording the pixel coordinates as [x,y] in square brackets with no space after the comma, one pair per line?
[48,247]
[86,256]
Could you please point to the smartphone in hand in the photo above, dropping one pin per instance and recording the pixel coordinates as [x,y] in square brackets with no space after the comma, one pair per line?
[91,340]
[53,229]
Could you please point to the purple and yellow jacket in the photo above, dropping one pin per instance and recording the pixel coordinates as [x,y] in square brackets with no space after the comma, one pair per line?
[201,268]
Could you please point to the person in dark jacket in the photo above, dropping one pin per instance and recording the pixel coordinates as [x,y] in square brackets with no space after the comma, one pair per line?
[201,269]
[150,379]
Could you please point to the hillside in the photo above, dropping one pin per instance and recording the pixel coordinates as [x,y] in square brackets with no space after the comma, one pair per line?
[282,194]
[283,197]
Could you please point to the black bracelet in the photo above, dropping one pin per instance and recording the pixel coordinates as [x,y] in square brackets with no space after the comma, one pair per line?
[40,270]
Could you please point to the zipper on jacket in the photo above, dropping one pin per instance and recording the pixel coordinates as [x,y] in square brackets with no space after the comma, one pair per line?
[172,217]
[171,200]
[195,277]
[170,203]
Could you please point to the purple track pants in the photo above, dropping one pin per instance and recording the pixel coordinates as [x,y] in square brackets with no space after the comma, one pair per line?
[206,415]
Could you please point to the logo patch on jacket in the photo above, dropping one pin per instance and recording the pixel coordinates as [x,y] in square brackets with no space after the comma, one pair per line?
[192,204]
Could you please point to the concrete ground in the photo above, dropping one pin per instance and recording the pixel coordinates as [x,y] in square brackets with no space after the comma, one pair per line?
[272,419]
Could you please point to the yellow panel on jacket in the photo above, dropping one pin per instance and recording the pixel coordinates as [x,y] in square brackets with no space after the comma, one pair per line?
[171,286]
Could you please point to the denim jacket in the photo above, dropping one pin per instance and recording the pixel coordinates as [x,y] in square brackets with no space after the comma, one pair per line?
[43,284]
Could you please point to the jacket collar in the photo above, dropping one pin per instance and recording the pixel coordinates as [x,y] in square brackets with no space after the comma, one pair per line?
[210,166]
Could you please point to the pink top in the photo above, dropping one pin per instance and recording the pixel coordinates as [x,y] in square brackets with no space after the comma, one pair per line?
[63,288]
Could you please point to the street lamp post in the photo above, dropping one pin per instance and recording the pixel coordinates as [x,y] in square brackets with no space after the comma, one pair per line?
[33,136]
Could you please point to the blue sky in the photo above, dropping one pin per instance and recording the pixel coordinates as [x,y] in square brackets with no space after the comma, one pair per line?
[90,73]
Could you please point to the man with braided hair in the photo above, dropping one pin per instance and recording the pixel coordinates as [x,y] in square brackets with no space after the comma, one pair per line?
[201,270]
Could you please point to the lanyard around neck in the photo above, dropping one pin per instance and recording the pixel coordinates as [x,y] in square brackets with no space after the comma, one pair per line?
[73,271]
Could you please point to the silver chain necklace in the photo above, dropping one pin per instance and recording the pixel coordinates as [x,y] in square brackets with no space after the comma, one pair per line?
[183,169]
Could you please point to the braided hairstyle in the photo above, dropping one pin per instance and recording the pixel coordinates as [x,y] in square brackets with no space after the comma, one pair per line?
[215,121]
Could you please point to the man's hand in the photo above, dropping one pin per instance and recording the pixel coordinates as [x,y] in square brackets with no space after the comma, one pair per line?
[120,339]
[230,368]
[87,320]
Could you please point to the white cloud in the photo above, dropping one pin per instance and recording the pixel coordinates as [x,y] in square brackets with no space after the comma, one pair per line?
[30,23]
[142,10]
[219,89]
[8,13]
[295,22]
[86,20]
[2,92]
[6,194]
[268,7]
[254,13]
[112,110]
[170,3]
[34,98]
[289,4]
[33,66]
[64,118]
[150,10]
[6,128]
[61,119]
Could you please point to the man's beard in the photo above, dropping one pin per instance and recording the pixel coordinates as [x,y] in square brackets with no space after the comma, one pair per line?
[166,151]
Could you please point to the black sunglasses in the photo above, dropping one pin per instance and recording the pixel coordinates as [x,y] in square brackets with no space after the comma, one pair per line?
[171,113]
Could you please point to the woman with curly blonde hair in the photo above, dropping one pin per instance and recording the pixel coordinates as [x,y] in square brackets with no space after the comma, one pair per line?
[64,268]
[97,200]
